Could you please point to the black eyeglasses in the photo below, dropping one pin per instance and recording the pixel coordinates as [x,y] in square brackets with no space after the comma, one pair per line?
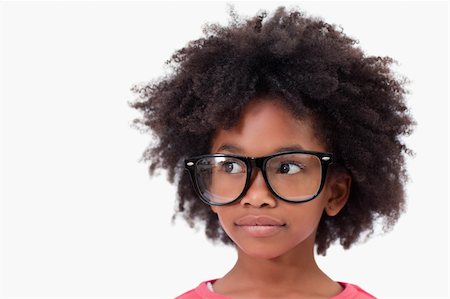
[294,176]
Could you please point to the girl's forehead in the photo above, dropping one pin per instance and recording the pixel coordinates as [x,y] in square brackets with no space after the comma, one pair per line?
[266,126]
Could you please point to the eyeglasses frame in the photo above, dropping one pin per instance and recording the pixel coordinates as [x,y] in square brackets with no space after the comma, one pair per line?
[257,162]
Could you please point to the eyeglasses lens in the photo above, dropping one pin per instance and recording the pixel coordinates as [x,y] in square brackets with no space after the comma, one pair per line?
[294,177]
[221,179]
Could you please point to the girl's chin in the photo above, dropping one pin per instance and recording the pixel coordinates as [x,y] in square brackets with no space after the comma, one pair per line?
[261,252]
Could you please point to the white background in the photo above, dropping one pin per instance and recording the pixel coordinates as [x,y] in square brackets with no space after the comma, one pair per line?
[81,218]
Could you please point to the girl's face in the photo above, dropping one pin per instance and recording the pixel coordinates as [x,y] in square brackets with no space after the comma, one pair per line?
[260,224]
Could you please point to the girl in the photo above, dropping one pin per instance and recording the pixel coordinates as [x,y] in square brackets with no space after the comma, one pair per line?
[282,136]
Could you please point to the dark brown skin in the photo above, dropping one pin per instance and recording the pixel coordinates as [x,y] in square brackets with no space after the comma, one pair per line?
[356,105]
[286,259]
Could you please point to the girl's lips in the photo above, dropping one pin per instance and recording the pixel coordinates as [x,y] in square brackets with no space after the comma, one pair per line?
[260,226]
[261,231]
[253,220]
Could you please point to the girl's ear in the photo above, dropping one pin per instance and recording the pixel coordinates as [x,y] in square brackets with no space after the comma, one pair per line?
[214,209]
[340,184]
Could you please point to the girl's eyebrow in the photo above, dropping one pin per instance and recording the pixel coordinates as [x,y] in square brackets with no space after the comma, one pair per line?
[236,149]
[229,148]
[295,147]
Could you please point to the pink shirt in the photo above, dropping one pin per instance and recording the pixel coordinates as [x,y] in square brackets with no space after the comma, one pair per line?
[350,291]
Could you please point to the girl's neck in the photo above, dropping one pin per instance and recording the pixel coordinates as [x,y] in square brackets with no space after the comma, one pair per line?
[294,272]
[297,265]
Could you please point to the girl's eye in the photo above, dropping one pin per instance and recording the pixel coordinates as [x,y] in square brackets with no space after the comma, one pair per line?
[290,168]
[231,167]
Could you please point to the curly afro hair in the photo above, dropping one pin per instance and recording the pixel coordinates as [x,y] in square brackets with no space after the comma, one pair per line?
[312,67]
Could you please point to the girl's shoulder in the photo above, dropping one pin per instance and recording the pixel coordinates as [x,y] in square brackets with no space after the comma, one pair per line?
[204,291]
[352,291]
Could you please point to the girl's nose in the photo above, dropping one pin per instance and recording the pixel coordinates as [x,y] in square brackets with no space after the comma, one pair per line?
[258,194]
